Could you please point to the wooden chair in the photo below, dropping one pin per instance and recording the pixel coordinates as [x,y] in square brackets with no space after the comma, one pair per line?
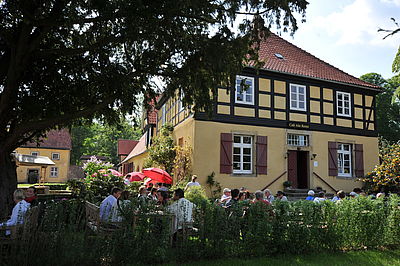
[19,231]
[94,223]
[92,216]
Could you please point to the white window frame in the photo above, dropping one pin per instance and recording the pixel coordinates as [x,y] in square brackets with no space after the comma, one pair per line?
[54,171]
[180,106]
[163,115]
[341,152]
[297,100]
[343,94]
[298,140]
[242,145]
[54,153]
[34,153]
[244,92]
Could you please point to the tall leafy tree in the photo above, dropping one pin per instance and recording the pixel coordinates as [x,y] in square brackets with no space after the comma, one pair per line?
[61,60]
[100,139]
[387,113]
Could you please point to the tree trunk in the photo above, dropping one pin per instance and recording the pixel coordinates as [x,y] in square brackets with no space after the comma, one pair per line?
[8,183]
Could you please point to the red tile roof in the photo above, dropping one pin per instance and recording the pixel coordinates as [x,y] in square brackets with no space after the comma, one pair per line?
[125,146]
[55,139]
[139,149]
[299,62]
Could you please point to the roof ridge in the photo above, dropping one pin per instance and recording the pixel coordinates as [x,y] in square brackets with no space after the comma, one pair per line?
[299,49]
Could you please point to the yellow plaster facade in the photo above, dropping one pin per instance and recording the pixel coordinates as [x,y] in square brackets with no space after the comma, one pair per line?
[62,164]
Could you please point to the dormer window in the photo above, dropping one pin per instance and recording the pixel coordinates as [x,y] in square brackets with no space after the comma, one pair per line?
[244,90]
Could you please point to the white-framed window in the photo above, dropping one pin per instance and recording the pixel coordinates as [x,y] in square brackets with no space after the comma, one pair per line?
[244,92]
[343,103]
[298,97]
[180,100]
[297,140]
[242,154]
[55,156]
[35,153]
[54,172]
[163,115]
[344,160]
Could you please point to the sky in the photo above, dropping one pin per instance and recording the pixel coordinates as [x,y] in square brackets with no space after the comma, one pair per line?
[344,33]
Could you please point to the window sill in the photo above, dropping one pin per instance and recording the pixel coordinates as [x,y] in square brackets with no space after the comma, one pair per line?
[243,175]
[248,103]
[345,177]
[342,115]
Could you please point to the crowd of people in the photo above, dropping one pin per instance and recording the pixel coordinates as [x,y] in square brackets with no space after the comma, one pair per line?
[112,207]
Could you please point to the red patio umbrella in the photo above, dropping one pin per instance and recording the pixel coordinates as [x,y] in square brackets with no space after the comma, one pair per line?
[135,176]
[158,175]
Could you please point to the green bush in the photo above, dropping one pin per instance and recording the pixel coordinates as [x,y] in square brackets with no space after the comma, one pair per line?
[245,231]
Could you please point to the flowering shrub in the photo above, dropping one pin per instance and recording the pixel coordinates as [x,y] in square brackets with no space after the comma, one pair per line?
[98,181]
[386,176]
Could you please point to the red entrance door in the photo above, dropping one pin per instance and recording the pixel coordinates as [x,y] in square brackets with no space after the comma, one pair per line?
[298,168]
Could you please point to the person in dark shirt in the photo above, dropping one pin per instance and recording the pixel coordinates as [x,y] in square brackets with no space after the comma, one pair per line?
[235,198]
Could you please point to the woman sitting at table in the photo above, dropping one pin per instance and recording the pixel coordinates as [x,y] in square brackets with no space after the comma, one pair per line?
[162,198]
[18,212]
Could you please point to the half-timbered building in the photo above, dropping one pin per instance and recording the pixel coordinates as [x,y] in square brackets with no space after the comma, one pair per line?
[297,119]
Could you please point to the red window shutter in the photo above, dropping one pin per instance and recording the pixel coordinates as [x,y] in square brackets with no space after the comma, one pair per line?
[332,158]
[226,153]
[359,160]
[261,159]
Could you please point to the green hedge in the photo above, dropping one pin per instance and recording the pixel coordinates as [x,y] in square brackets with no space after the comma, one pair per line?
[286,227]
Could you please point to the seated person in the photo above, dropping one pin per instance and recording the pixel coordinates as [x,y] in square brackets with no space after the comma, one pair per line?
[120,206]
[162,198]
[320,198]
[30,196]
[226,196]
[311,195]
[182,209]
[260,198]
[107,204]
[19,210]
[268,196]
[281,196]
[234,199]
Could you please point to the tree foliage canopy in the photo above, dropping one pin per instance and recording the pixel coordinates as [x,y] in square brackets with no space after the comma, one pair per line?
[63,60]
[100,139]
[387,113]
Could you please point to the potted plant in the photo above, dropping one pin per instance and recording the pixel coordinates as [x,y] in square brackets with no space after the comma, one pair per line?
[287,184]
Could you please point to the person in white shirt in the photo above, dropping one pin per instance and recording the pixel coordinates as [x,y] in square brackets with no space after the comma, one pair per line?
[182,209]
[192,183]
[281,196]
[226,196]
[106,207]
[268,196]
[320,198]
[19,210]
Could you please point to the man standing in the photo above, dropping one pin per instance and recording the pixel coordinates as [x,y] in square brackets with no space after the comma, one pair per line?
[192,183]
[108,203]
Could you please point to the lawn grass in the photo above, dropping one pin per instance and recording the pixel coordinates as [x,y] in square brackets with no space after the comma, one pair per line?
[37,184]
[365,258]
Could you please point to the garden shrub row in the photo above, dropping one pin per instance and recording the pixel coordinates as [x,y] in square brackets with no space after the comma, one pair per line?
[286,227]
